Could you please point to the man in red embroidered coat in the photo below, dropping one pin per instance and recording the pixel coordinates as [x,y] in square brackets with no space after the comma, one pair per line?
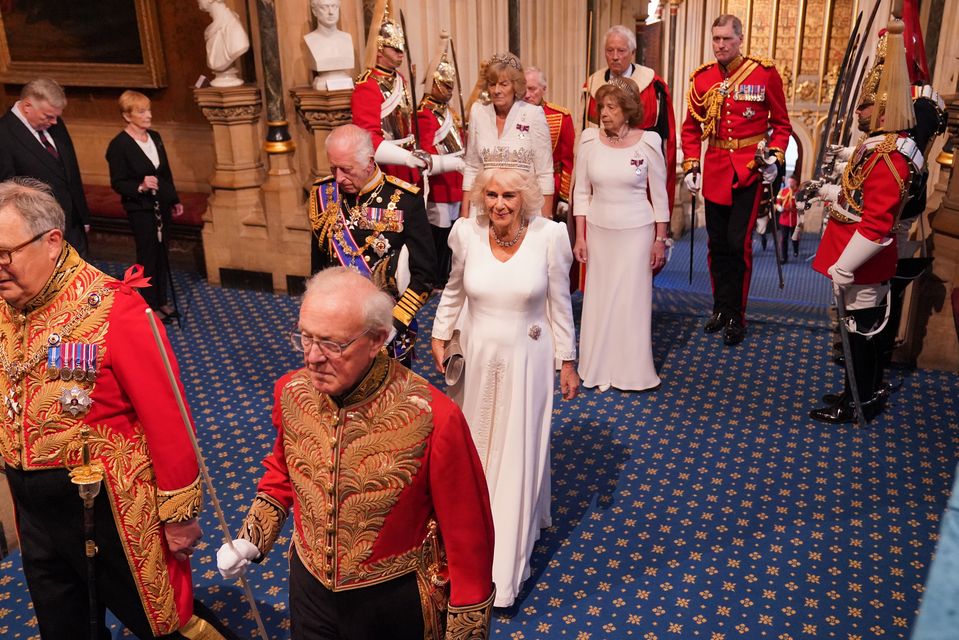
[381,101]
[734,104]
[620,49]
[858,250]
[392,531]
[789,220]
[79,360]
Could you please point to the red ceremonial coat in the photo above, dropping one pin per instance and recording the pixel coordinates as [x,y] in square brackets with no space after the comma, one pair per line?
[136,432]
[368,95]
[789,216]
[562,136]
[731,120]
[885,175]
[365,480]
[444,187]
[657,114]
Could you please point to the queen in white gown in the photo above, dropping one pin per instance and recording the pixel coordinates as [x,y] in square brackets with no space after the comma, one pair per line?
[510,282]
[622,214]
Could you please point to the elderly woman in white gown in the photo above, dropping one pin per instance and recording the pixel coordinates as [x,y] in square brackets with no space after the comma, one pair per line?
[510,282]
[508,130]
[622,215]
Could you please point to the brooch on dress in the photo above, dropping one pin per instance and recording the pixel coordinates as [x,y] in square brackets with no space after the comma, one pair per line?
[535,331]
[523,129]
[638,162]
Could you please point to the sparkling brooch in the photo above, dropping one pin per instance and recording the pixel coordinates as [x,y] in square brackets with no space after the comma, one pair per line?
[535,332]
[75,401]
[380,245]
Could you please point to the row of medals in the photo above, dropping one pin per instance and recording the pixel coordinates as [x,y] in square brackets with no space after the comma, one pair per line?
[76,361]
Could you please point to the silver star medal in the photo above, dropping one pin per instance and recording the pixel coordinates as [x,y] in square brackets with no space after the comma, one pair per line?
[75,401]
[749,112]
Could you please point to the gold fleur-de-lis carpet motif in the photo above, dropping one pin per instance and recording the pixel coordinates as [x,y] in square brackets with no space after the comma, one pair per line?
[711,509]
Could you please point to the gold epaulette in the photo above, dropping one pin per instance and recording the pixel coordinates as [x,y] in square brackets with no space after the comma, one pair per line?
[556,107]
[322,180]
[703,66]
[360,79]
[765,62]
[402,184]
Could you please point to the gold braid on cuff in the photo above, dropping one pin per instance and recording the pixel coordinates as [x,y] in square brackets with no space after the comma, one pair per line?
[180,505]
[408,304]
[263,523]
[690,163]
[470,622]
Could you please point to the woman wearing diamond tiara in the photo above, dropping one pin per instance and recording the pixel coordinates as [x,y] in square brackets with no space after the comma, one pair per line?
[622,215]
[508,130]
[508,292]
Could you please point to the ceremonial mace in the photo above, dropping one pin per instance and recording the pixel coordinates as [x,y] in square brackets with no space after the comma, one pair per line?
[88,477]
[224,529]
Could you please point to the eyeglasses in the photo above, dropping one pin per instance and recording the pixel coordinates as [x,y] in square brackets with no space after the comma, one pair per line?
[331,349]
[6,255]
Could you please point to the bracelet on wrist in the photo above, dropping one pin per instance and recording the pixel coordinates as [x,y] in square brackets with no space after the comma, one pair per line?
[662,239]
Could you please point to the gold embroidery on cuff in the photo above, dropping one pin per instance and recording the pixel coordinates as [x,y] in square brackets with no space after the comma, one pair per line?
[470,622]
[689,163]
[408,304]
[180,505]
[263,523]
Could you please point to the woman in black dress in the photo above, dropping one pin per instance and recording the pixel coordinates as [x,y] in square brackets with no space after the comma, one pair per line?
[140,173]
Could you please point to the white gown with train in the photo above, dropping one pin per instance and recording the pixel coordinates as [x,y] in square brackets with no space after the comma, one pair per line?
[517,320]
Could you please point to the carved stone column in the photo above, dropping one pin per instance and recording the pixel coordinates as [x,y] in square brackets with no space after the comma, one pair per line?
[321,112]
[940,344]
[237,235]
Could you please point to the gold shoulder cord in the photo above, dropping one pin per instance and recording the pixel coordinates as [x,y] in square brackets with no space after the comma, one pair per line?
[711,104]
[323,221]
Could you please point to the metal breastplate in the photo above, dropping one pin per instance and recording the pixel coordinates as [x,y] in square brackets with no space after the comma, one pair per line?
[397,122]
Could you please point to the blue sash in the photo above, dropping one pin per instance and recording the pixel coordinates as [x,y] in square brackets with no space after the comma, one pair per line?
[331,197]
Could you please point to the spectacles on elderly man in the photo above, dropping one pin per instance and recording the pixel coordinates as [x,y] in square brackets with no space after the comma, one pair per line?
[303,342]
[6,255]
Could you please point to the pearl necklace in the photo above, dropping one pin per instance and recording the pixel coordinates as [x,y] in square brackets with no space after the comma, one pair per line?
[506,244]
[616,138]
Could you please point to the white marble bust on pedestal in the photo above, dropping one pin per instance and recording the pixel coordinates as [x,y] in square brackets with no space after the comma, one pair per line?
[330,48]
[226,40]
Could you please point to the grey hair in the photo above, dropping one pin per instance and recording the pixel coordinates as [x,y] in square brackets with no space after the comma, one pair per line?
[354,138]
[539,72]
[33,200]
[377,304]
[727,18]
[623,32]
[46,90]
[522,181]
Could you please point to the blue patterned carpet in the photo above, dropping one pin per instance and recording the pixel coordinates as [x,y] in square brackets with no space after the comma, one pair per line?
[712,508]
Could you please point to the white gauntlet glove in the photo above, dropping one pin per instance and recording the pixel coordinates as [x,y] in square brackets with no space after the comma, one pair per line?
[232,562]
[693,181]
[389,153]
[770,171]
[562,210]
[447,164]
[829,192]
[858,252]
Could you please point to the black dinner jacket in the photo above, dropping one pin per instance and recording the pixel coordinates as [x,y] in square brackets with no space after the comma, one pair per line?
[21,154]
[129,165]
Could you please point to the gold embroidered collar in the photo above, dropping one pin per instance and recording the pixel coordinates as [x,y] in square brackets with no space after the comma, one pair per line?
[67,265]
[375,377]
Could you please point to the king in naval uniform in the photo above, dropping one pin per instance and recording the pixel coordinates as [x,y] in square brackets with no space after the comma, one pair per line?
[375,224]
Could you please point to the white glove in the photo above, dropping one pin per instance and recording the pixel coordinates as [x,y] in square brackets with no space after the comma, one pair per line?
[447,164]
[779,208]
[858,252]
[693,181]
[562,210]
[840,152]
[389,153]
[830,192]
[770,171]
[232,562]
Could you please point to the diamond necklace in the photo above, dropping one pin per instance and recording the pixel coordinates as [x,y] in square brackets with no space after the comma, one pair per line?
[506,244]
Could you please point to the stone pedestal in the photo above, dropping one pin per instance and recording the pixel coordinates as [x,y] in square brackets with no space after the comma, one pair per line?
[940,344]
[321,112]
[245,229]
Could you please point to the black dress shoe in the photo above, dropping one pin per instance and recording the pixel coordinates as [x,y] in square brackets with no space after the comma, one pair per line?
[844,411]
[734,332]
[716,322]
[885,390]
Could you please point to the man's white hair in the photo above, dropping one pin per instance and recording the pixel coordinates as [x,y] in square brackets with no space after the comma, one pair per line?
[356,139]
[624,33]
[539,74]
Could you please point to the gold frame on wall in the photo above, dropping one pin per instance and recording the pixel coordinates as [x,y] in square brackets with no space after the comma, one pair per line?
[151,73]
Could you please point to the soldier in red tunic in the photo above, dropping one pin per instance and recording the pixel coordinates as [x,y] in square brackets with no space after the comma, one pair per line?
[392,531]
[561,134]
[620,48]
[79,364]
[442,135]
[381,101]
[789,220]
[733,104]
[858,250]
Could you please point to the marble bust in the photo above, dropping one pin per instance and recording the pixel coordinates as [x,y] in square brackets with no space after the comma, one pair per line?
[226,40]
[330,48]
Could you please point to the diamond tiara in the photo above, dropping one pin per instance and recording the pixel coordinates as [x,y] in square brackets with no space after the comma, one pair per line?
[506,158]
[507,59]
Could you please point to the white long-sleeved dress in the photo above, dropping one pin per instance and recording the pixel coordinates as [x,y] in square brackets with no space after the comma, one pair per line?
[517,320]
[613,190]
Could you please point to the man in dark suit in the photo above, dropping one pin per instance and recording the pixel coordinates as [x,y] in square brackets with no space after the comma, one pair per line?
[34,142]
